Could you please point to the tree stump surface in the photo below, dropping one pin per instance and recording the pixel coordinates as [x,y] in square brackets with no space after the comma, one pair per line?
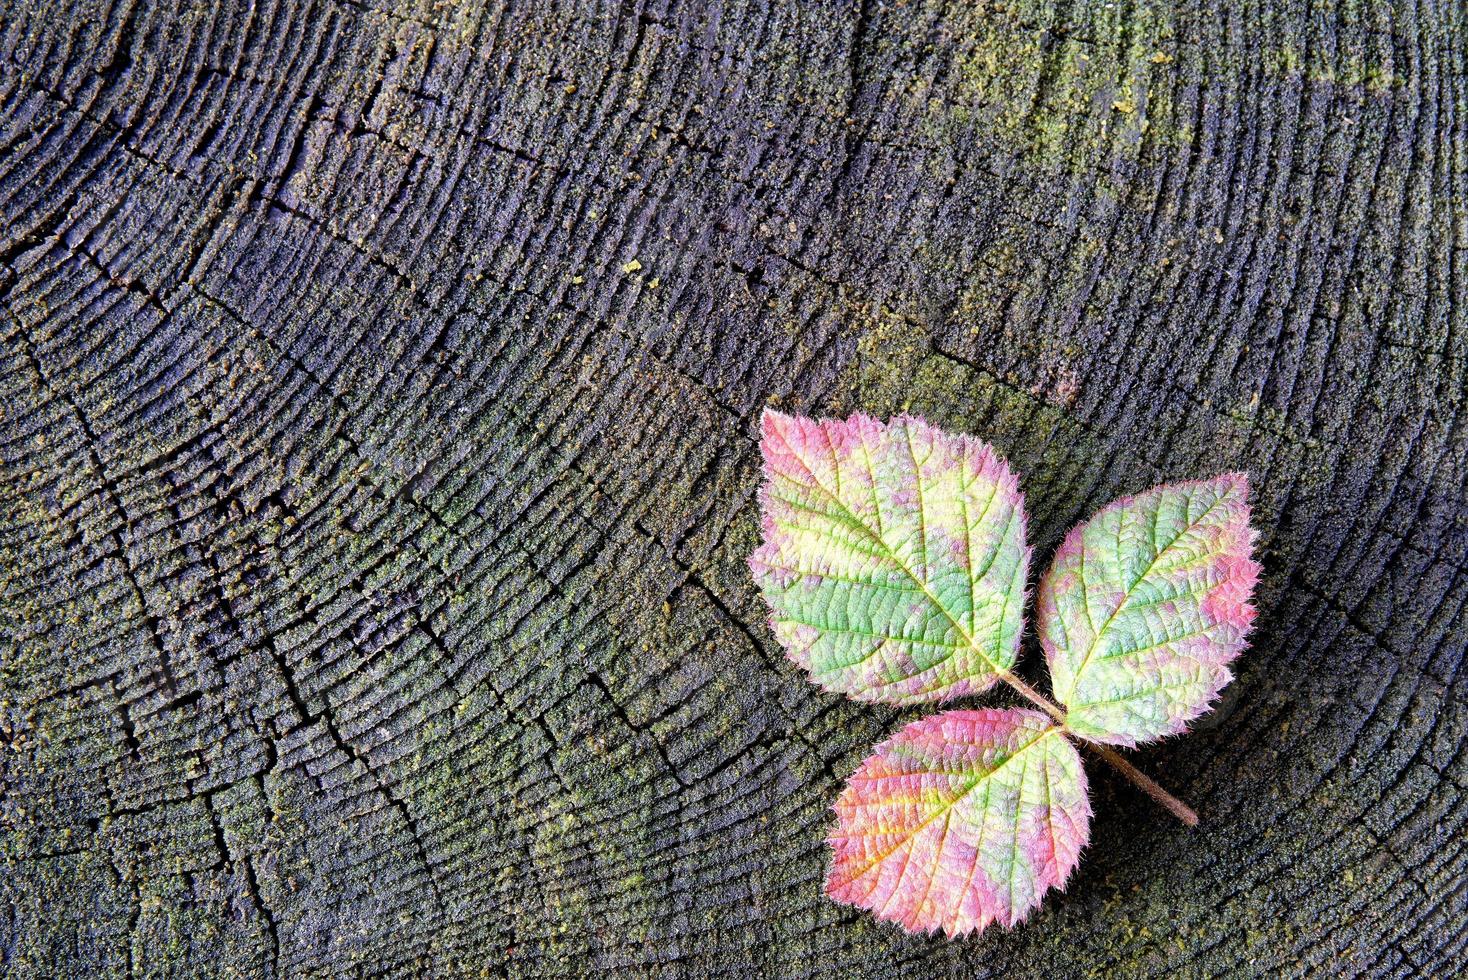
[378,400]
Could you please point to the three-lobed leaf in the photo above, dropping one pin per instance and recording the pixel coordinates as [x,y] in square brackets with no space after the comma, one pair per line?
[894,564]
[1144,607]
[962,819]
[894,556]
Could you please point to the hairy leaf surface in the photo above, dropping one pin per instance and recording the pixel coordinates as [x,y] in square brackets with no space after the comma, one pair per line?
[1145,606]
[894,556]
[962,819]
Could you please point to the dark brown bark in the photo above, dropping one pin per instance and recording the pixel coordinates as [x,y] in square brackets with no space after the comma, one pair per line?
[378,387]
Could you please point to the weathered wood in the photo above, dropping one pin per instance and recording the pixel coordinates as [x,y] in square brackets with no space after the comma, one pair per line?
[378,386]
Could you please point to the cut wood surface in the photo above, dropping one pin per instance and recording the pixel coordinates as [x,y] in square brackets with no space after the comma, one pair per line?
[379,392]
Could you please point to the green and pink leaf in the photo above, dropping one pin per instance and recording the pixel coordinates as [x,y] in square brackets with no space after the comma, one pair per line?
[1145,606]
[962,819]
[894,556]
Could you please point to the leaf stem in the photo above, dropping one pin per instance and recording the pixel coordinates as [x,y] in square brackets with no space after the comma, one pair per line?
[1107,754]
[1145,783]
[1033,696]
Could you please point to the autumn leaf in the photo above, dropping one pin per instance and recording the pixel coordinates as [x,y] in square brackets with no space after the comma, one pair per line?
[894,556]
[962,819]
[1144,607]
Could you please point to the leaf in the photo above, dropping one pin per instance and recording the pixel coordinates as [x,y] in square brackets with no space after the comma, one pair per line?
[1145,606]
[893,559]
[962,819]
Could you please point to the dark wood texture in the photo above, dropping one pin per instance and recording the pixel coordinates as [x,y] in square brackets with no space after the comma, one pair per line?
[378,389]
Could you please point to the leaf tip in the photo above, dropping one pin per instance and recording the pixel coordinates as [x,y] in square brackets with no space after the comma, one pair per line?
[1238,478]
[770,416]
[773,424]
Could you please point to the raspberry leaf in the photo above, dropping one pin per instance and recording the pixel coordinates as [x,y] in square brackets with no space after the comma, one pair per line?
[962,819]
[1145,606]
[894,556]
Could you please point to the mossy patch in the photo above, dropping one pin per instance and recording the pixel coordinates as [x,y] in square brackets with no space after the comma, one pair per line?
[1079,87]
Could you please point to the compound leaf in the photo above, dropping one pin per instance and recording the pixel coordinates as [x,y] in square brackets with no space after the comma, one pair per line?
[962,819]
[1145,606]
[894,556]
